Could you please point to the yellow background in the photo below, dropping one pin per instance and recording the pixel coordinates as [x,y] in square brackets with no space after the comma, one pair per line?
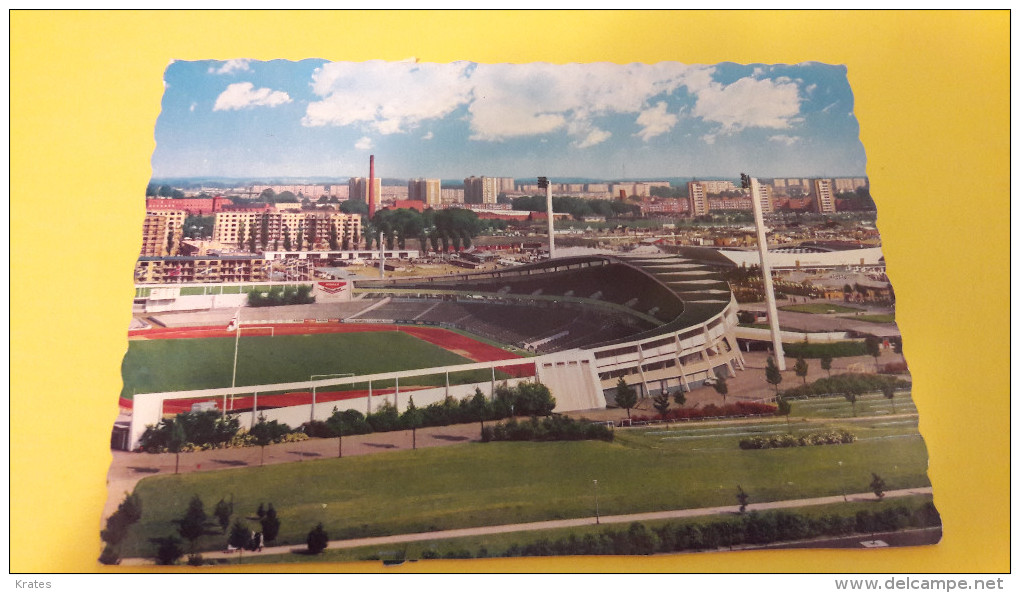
[932,99]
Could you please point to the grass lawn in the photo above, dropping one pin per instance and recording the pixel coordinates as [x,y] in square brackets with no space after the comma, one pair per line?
[684,466]
[820,308]
[495,545]
[175,365]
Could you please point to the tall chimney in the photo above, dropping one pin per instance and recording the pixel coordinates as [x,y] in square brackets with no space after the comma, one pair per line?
[371,186]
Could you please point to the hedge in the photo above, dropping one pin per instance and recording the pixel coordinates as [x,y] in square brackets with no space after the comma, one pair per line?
[834,349]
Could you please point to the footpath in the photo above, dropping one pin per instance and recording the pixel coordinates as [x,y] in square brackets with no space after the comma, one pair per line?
[557,524]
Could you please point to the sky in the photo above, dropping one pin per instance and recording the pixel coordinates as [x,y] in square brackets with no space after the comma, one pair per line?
[251,119]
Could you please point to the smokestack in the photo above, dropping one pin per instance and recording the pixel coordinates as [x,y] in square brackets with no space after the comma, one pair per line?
[371,186]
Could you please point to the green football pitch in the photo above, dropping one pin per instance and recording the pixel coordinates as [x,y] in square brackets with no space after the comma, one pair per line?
[183,364]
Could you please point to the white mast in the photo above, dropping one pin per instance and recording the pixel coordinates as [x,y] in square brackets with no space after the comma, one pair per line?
[766,270]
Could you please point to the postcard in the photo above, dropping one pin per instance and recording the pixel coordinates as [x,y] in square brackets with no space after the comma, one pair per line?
[403,311]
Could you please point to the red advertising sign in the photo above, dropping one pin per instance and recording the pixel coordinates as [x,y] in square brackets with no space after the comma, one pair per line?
[332,287]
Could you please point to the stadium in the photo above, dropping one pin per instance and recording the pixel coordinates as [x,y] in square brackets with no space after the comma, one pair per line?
[576,324]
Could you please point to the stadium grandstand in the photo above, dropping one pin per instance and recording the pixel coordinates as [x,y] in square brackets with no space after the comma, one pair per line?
[662,322]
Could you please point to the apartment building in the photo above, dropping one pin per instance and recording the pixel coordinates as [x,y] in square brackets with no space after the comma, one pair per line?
[162,231]
[428,191]
[825,199]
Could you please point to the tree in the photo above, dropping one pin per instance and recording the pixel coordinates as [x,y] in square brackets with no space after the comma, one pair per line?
[877,486]
[661,403]
[889,391]
[263,433]
[411,418]
[722,388]
[176,442]
[241,236]
[168,550]
[626,396]
[222,512]
[874,348]
[270,524]
[192,526]
[286,238]
[851,394]
[742,498]
[239,537]
[265,231]
[318,539]
[128,513]
[679,397]
[826,362]
[801,368]
[261,512]
[252,241]
[479,408]
[333,239]
[783,408]
[772,374]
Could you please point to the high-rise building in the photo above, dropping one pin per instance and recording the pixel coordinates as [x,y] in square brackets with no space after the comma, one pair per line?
[425,190]
[698,197]
[358,188]
[484,190]
[825,200]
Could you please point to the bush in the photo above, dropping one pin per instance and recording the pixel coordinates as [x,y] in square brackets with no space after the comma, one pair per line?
[553,428]
[317,540]
[835,436]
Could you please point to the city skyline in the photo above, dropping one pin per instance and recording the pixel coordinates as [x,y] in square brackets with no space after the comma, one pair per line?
[313,118]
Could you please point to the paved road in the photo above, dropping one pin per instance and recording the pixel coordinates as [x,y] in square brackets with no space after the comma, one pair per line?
[558,524]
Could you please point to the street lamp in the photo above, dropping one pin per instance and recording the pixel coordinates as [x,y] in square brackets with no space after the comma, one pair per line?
[596,483]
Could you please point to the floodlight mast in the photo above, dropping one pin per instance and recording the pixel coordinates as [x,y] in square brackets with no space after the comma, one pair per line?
[748,182]
[543,183]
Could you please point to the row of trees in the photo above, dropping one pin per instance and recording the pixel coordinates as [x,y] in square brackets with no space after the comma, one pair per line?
[439,229]
[281,295]
[578,208]
[754,528]
[526,399]
[209,429]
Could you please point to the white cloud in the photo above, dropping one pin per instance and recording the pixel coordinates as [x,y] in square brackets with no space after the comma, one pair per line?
[502,100]
[784,139]
[192,106]
[655,121]
[428,136]
[749,103]
[231,66]
[244,94]
[364,143]
[709,138]
[512,101]
[389,97]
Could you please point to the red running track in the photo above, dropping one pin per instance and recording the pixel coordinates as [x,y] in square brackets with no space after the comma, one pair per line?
[457,343]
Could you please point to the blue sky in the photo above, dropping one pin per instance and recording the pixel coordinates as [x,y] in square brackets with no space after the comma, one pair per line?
[243,118]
